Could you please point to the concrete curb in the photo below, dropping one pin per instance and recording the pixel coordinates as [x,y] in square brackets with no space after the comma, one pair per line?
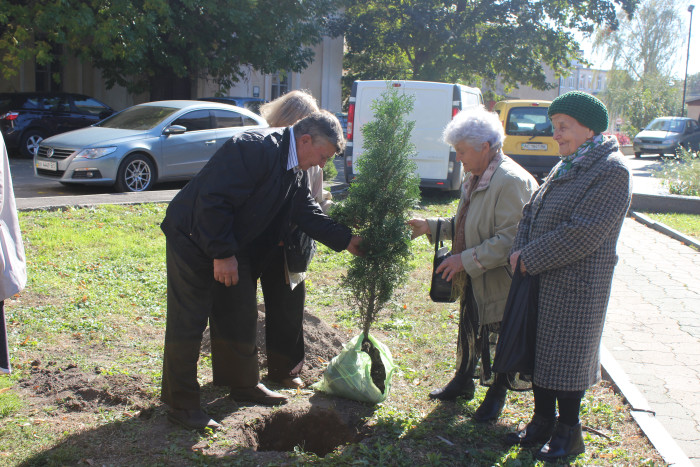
[641,412]
[664,229]
[60,202]
[665,203]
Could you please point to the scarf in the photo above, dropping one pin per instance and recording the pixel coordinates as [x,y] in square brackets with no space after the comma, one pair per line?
[568,162]
[471,184]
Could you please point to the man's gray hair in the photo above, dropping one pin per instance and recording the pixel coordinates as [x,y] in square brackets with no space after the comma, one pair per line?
[475,126]
[324,125]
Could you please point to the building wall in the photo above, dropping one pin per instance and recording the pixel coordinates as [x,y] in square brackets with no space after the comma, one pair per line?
[321,78]
[580,78]
[694,109]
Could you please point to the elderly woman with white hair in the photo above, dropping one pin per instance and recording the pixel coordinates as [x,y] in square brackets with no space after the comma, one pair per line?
[482,232]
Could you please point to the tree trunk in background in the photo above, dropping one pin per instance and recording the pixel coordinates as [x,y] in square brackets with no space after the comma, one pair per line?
[165,86]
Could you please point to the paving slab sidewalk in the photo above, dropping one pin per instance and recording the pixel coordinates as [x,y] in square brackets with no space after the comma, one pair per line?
[653,329]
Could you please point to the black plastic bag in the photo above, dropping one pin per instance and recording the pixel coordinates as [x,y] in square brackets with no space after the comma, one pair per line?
[299,249]
[515,351]
[440,289]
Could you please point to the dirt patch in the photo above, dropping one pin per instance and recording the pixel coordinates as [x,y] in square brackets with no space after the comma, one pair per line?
[74,390]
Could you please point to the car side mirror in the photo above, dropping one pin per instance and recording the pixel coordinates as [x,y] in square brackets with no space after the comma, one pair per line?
[174,130]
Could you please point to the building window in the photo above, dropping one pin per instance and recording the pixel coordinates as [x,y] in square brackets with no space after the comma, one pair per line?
[280,84]
[599,83]
[44,74]
[581,83]
[571,82]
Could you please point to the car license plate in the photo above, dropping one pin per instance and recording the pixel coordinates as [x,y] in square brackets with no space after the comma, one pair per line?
[47,165]
[534,146]
[650,146]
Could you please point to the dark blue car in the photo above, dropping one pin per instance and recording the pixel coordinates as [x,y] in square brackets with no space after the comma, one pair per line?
[26,118]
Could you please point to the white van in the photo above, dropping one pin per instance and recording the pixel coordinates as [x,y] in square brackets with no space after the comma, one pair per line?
[434,106]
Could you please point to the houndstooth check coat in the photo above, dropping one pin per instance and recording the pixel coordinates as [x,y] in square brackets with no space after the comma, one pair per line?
[568,236]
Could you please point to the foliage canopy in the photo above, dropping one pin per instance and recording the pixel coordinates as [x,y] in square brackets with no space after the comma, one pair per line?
[643,50]
[162,46]
[467,41]
[378,205]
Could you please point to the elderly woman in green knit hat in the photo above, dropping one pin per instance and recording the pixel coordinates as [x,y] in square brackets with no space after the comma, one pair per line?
[567,237]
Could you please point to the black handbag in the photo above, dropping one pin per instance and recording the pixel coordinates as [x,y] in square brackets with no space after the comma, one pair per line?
[440,289]
[515,351]
[299,249]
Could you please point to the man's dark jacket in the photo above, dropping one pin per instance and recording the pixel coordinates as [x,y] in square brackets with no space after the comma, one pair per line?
[245,198]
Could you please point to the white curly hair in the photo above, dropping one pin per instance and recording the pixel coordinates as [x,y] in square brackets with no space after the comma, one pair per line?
[475,126]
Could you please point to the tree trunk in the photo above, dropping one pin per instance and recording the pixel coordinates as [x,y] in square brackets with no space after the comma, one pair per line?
[163,86]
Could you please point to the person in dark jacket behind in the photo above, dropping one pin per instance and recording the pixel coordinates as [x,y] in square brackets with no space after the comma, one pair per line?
[220,230]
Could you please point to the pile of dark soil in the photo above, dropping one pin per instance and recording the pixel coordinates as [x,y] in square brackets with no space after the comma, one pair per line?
[322,343]
[73,390]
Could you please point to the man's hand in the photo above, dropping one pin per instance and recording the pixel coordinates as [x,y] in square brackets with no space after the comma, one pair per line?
[419,226]
[354,246]
[450,266]
[226,271]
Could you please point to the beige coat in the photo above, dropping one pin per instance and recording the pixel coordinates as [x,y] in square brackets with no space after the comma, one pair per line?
[490,227]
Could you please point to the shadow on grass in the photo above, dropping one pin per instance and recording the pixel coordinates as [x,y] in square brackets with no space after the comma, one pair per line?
[251,435]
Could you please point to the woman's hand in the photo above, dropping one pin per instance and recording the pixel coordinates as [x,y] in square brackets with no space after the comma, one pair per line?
[514,262]
[226,271]
[419,226]
[450,266]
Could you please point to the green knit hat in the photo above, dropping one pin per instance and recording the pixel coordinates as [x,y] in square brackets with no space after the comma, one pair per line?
[585,108]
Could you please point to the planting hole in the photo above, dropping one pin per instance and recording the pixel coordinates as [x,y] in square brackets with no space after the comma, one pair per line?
[318,430]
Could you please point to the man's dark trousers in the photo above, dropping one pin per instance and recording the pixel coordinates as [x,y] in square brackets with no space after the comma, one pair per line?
[284,319]
[195,298]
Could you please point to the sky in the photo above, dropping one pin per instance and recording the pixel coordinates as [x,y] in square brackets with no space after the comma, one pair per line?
[678,71]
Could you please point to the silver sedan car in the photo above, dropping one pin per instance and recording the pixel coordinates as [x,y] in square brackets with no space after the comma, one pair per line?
[144,144]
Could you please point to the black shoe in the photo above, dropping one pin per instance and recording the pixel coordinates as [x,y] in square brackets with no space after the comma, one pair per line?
[537,432]
[566,441]
[460,386]
[490,408]
[192,419]
[258,394]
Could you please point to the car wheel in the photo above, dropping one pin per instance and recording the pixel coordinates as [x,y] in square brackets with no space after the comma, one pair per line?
[136,173]
[637,154]
[30,142]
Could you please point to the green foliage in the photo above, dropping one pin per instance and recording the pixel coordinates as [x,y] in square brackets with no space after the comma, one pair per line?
[646,44]
[378,205]
[643,50]
[693,85]
[9,401]
[682,174]
[689,224]
[641,101]
[466,42]
[329,171]
[150,45]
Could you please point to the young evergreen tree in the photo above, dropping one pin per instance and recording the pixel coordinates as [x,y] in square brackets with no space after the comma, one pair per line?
[378,205]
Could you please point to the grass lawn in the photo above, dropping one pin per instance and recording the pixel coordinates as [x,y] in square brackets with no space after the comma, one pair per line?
[95,302]
[688,224]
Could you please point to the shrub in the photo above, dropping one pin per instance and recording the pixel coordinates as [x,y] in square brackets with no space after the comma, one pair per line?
[329,171]
[682,174]
[378,204]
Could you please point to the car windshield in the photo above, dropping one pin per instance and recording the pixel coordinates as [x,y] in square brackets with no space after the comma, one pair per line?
[674,126]
[528,121]
[138,117]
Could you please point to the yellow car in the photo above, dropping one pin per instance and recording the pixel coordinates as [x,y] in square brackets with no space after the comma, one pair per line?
[529,138]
